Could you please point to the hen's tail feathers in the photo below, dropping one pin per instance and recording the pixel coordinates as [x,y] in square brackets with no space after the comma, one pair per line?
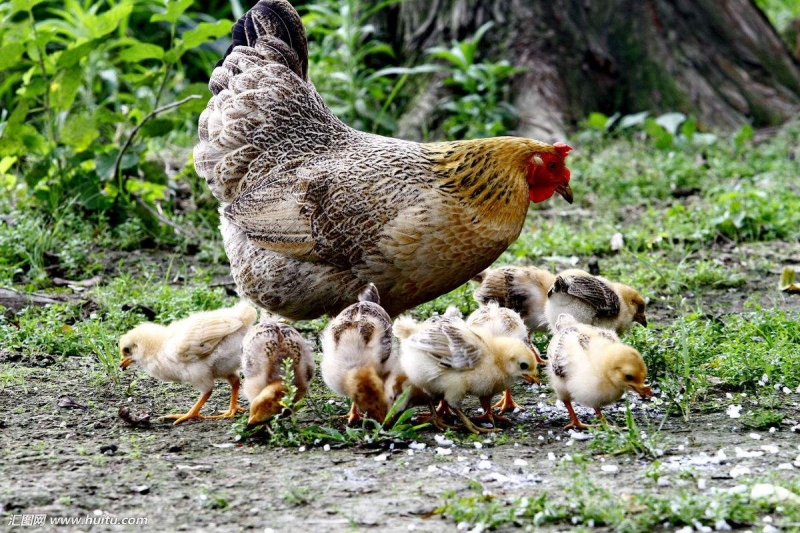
[278,22]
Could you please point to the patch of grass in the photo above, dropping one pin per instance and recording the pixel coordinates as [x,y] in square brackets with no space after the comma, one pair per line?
[585,504]
[630,439]
[763,419]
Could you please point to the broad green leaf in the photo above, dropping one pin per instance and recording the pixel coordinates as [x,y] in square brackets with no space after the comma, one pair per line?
[205,32]
[197,105]
[658,133]
[23,5]
[156,127]
[6,163]
[637,119]
[105,23]
[671,121]
[140,52]
[689,128]
[79,131]
[10,54]
[72,55]
[597,121]
[64,88]
[174,10]
[104,163]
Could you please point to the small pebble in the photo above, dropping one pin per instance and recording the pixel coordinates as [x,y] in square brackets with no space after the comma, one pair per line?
[610,469]
[484,465]
[379,458]
[755,436]
[478,445]
[443,451]
[327,447]
[141,489]
[520,462]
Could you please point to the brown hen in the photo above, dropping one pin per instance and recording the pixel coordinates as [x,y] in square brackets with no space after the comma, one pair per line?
[313,210]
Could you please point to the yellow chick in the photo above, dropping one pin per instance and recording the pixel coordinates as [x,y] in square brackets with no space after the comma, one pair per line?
[198,349]
[265,347]
[523,289]
[357,355]
[503,322]
[594,300]
[448,359]
[591,366]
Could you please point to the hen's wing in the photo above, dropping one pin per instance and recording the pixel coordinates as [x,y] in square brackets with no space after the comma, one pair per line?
[453,345]
[591,290]
[199,337]
[324,209]
[264,112]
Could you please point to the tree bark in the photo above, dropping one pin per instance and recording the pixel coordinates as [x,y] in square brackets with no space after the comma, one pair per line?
[718,60]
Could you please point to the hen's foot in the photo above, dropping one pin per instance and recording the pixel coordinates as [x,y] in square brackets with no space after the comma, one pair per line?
[507,403]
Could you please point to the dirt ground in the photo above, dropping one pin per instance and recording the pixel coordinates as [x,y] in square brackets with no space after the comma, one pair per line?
[74,461]
[66,453]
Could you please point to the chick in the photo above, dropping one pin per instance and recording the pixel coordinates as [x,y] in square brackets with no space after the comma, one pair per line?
[198,349]
[592,367]
[357,355]
[265,347]
[523,289]
[448,359]
[594,300]
[503,322]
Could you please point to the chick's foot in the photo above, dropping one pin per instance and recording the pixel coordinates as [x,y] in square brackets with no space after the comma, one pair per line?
[507,403]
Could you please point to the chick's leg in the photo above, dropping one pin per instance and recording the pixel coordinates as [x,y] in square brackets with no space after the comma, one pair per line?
[575,422]
[507,403]
[234,408]
[435,418]
[477,430]
[353,416]
[488,415]
[194,412]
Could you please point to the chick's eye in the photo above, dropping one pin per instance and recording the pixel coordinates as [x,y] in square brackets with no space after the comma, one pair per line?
[628,377]
[126,350]
[523,366]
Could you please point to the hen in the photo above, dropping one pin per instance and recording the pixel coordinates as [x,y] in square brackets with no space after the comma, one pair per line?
[313,210]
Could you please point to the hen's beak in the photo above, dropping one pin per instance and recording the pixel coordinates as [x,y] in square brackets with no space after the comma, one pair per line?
[565,191]
[640,318]
[126,362]
[530,378]
[643,390]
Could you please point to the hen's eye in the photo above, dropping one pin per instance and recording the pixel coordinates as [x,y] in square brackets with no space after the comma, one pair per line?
[551,166]
[628,377]
[523,366]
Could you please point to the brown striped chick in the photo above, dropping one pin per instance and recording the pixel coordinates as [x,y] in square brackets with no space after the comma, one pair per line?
[594,300]
[448,359]
[523,289]
[198,349]
[265,347]
[503,322]
[357,355]
[592,367]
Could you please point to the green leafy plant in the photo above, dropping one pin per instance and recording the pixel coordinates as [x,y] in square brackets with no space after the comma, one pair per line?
[79,84]
[478,105]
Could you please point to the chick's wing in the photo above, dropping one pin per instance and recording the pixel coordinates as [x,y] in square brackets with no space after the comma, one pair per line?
[198,338]
[452,346]
[591,290]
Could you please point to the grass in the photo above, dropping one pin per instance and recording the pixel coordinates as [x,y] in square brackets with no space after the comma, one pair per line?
[584,504]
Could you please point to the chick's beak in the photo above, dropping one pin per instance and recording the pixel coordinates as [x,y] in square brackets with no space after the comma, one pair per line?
[565,191]
[126,362]
[530,378]
[640,318]
[643,390]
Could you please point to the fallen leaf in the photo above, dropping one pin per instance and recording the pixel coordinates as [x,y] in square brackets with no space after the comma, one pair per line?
[68,403]
[131,419]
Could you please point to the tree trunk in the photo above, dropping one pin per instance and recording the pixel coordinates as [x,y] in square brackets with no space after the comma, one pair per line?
[718,60]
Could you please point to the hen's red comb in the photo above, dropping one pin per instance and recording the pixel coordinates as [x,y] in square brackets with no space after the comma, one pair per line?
[562,149]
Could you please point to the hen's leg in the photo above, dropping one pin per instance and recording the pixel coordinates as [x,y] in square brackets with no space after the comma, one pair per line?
[575,422]
[507,403]
[234,408]
[194,412]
